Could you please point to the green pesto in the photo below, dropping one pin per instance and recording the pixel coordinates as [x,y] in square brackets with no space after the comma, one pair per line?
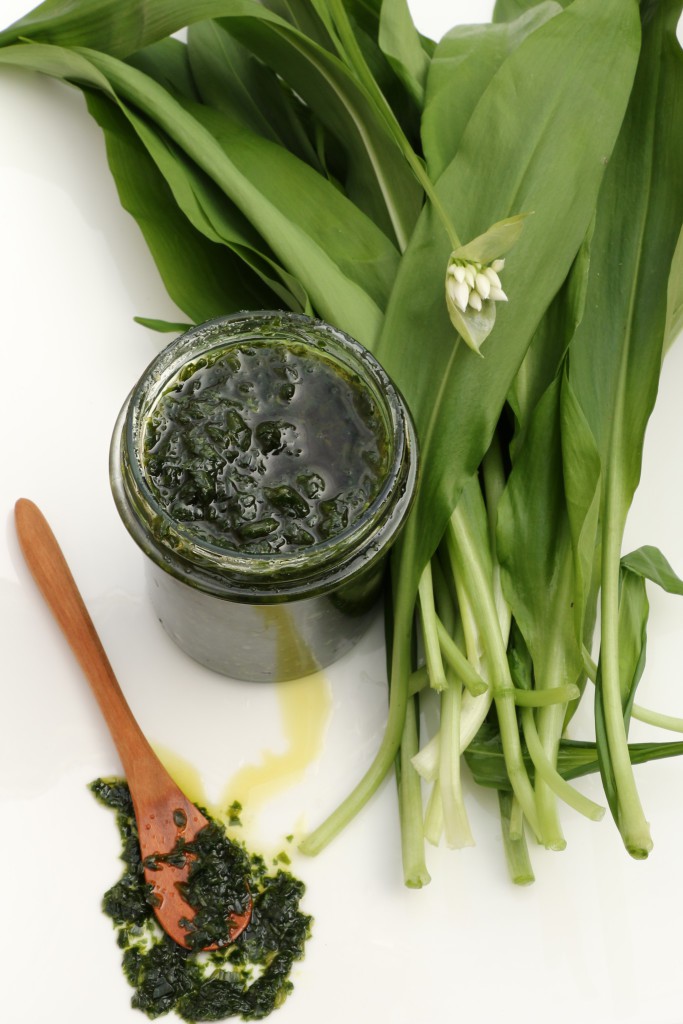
[247,978]
[265,447]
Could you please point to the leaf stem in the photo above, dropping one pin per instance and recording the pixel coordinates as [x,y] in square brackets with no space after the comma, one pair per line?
[467,561]
[545,768]
[400,675]
[631,821]
[415,873]
[430,635]
[514,844]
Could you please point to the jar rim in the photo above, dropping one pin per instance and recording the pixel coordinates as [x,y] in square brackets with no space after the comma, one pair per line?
[179,547]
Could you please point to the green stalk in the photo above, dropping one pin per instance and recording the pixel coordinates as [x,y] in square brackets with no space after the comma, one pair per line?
[458,662]
[516,850]
[433,823]
[634,829]
[553,780]
[467,561]
[415,873]
[400,675]
[430,636]
[657,718]
[641,714]
[560,694]
[456,823]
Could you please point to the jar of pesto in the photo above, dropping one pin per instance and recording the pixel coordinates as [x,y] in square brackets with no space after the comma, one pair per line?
[264,463]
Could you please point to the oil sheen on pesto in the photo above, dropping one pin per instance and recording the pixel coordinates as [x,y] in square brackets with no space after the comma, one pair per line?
[248,977]
[266,447]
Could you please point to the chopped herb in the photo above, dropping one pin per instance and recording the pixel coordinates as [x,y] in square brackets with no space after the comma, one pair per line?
[234,813]
[221,459]
[246,978]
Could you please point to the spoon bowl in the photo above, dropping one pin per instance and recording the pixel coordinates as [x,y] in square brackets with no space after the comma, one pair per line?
[165,816]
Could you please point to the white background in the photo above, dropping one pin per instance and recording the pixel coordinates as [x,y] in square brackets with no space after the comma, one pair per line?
[597,938]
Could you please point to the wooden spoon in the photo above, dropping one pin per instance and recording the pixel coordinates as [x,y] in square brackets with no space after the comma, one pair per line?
[162,811]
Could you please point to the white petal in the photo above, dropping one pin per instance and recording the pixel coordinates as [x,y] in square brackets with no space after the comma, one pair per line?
[497,265]
[469,277]
[493,277]
[475,300]
[483,285]
[459,293]
[458,273]
[498,295]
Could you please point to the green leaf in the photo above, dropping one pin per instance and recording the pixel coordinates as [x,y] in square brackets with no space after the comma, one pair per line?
[333,295]
[582,488]
[650,563]
[167,62]
[674,299]
[362,252]
[378,180]
[464,62]
[230,79]
[400,42]
[215,216]
[203,278]
[509,10]
[496,241]
[535,550]
[163,326]
[541,153]
[576,758]
[546,353]
[616,354]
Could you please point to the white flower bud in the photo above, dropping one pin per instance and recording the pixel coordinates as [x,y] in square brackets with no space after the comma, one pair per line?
[498,295]
[459,293]
[483,285]
[475,300]
[493,277]
[497,265]
[470,276]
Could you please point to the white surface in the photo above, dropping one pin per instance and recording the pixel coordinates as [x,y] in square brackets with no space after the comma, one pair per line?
[595,939]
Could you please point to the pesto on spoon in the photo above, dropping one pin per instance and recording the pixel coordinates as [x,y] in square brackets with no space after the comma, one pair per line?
[167,822]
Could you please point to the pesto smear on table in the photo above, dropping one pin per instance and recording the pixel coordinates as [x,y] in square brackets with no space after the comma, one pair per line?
[247,978]
[265,447]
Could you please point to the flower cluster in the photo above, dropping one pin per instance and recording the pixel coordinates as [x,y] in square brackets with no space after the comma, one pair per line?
[469,284]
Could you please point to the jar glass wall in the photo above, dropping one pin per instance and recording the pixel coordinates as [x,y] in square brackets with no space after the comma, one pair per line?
[264,463]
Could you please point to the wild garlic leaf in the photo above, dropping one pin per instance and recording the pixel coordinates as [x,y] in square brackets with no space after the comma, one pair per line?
[167,62]
[212,213]
[615,356]
[464,62]
[583,491]
[541,154]
[509,10]
[379,180]
[576,758]
[535,548]
[674,298]
[649,562]
[362,252]
[400,43]
[202,277]
[230,79]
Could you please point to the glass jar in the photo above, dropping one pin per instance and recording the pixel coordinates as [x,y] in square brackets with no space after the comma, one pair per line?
[266,609]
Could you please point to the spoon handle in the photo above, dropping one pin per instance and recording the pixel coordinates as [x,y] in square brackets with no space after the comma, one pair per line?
[49,569]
